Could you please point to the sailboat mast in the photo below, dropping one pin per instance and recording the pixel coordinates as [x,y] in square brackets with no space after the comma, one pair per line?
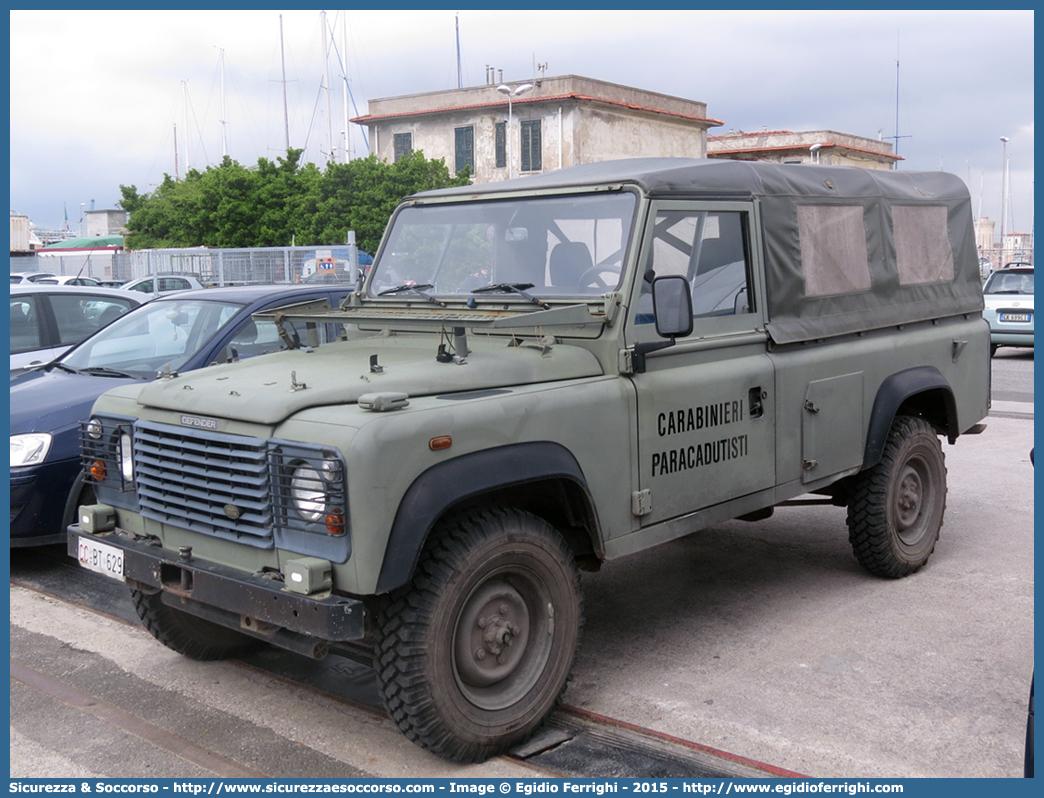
[326,85]
[188,165]
[460,75]
[344,68]
[176,177]
[224,116]
[286,114]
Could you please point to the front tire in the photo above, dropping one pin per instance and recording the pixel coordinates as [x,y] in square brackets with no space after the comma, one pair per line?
[896,507]
[190,636]
[475,653]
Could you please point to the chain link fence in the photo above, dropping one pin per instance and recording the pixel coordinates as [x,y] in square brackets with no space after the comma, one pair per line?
[210,266]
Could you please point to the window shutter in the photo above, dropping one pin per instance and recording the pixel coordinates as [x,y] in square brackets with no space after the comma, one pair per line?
[403,145]
[465,148]
[531,161]
[500,142]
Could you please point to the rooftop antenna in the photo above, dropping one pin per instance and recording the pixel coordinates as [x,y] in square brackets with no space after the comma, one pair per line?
[896,137]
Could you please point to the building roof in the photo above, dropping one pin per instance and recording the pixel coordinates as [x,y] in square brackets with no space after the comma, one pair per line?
[727,145]
[363,120]
[75,244]
[545,90]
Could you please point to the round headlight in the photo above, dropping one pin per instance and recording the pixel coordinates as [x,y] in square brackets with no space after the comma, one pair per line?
[309,493]
[126,458]
[94,428]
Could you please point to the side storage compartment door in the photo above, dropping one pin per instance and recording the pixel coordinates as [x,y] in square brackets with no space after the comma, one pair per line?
[706,417]
[832,426]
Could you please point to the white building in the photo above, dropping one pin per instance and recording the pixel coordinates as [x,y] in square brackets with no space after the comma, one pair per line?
[558,122]
[827,147]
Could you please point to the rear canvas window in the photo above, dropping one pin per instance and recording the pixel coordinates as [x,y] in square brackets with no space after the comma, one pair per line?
[922,244]
[833,249]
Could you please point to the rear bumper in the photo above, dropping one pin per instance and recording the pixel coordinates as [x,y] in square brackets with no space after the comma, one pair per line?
[246,602]
[1011,338]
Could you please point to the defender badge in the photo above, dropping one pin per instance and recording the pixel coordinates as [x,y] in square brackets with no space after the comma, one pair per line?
[199,422]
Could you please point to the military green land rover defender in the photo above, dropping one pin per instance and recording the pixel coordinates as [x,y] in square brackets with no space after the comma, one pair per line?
[539,375]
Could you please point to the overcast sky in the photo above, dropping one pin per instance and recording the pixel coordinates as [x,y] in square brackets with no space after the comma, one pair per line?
[96,95]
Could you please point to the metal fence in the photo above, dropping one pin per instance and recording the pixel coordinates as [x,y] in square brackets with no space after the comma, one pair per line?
[210,266]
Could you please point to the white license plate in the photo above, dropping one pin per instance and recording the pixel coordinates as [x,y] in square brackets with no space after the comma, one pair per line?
[1014,317]
[100,557]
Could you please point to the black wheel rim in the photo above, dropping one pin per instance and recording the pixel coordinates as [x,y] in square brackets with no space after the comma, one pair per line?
[913,499]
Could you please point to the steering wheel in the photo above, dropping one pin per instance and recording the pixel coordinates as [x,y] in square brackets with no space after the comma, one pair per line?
[593,274]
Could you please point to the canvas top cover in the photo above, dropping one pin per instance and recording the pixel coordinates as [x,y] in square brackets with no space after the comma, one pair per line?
[846,249]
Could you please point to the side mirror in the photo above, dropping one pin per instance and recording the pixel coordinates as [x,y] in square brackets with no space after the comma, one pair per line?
[672,306]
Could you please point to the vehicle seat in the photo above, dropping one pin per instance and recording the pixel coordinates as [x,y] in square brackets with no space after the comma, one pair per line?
[109,315]
[569,260]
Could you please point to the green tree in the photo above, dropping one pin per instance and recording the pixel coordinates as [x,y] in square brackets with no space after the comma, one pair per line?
[279,202]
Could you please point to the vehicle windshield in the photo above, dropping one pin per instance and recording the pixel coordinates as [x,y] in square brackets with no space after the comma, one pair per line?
[148,338]
[549,246]
[1009,283]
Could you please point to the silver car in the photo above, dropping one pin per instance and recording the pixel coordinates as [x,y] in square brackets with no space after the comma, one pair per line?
[1008,296]
[46,320]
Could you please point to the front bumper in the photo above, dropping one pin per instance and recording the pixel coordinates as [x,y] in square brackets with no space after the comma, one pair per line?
[39,495]
[249,603]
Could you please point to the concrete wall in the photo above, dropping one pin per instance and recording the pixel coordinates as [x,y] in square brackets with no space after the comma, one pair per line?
[106,223]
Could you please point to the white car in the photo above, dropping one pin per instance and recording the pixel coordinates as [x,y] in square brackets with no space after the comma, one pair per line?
[19,278]
[163,284]
[68,279]
[46,320]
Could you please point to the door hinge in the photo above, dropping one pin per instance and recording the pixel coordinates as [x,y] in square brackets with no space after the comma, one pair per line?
[641,502]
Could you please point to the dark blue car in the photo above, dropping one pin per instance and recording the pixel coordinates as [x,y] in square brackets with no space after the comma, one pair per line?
[181,332]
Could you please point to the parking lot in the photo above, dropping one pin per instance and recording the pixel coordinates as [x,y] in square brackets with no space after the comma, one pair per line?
[763,640]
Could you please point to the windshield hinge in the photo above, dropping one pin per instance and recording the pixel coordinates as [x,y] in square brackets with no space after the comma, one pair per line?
[626,364]
[612,302]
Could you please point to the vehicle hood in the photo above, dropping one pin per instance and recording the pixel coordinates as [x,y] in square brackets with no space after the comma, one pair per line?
[55,401]
[270,389]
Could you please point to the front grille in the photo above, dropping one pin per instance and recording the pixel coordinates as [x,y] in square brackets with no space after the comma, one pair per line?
[204,481]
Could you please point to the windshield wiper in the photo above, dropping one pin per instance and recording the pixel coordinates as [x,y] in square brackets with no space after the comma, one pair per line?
[103,371]
[511,288]
[59,365]
[415,289]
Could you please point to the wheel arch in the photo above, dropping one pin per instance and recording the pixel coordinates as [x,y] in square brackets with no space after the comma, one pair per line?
[541,477]
[921,391]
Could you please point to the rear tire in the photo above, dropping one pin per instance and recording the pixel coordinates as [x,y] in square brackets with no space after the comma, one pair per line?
[190,636]
[475,653]
[896,507]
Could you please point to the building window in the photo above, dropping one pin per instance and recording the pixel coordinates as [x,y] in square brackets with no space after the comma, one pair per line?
[531,145]
[403,145]
[500,141]
[465,149]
